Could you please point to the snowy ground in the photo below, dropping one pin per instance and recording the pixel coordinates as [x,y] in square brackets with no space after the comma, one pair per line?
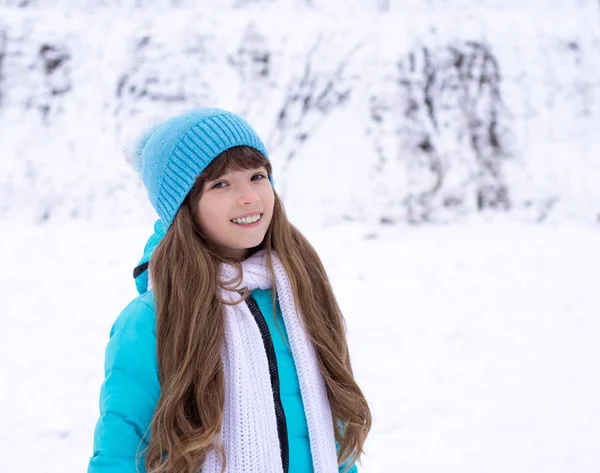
[477,345]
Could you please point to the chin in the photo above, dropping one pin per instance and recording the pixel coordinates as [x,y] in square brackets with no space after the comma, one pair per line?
[252,244]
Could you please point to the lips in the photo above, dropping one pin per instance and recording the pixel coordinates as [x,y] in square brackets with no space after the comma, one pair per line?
[251,214]
[248,221]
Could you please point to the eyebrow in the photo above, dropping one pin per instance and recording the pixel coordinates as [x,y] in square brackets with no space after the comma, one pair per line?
[223,176]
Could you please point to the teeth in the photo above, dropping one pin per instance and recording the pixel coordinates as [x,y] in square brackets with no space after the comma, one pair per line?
[246,220]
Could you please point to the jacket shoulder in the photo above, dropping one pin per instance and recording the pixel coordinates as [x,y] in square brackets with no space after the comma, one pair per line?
[138,316]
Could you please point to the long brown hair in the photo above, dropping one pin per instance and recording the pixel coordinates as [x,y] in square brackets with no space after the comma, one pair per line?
[190,330]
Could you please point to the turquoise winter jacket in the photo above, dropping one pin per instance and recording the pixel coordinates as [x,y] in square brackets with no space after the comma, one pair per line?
[131,388]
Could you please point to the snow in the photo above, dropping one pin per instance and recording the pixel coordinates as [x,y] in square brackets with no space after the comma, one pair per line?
[476,345]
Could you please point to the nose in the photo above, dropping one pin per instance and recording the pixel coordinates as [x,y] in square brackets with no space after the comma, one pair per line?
[247,196]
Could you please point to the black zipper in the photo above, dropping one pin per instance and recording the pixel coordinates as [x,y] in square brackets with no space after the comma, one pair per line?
[279,413]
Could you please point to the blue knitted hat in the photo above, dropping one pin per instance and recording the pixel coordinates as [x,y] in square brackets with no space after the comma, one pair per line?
[170,156]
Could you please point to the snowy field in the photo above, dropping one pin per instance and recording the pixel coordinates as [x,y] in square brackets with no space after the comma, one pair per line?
[477,345]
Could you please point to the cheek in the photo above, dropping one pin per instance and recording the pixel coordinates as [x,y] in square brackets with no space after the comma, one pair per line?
[269,198]
[268,203]
[206,214]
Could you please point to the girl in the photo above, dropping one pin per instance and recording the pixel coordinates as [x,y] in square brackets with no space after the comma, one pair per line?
[234,357]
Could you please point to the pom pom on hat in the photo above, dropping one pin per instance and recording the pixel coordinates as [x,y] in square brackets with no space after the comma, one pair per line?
[133,153]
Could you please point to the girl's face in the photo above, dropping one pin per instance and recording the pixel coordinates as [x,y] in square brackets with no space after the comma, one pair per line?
[235,210]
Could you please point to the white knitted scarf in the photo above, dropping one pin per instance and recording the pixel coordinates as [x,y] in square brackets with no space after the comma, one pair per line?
[249,431]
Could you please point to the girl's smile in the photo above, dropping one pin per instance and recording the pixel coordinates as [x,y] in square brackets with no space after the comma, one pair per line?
[248,220]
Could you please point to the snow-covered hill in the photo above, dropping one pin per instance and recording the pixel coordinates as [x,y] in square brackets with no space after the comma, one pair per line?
[385,111]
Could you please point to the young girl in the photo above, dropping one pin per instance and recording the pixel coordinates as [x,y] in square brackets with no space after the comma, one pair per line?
[233,358]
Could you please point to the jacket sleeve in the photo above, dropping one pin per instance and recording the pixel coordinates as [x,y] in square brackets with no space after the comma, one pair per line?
[129,393]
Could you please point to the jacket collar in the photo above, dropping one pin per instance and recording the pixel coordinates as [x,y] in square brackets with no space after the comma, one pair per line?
[140,272]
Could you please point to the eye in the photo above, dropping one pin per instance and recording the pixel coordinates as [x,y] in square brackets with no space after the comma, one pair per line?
[218,185]
[260,176]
